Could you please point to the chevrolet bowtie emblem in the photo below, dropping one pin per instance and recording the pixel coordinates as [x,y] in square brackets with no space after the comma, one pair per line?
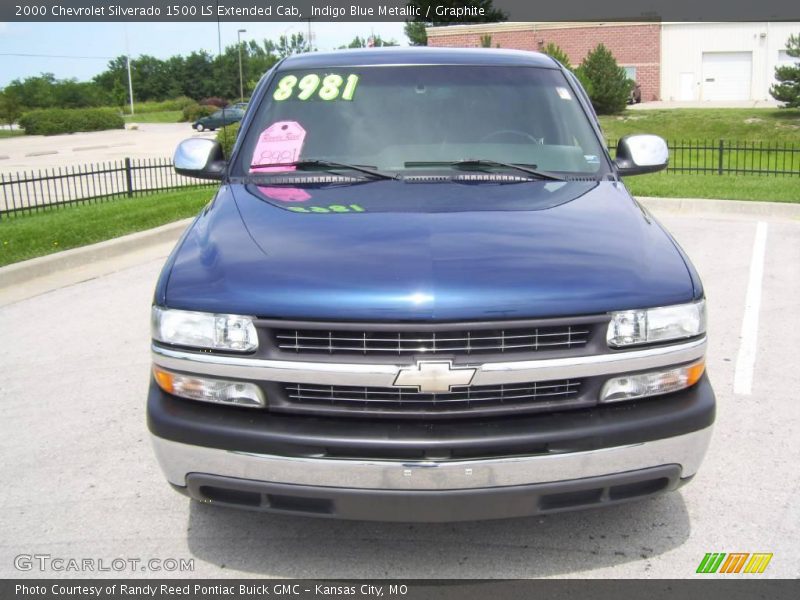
[432,377]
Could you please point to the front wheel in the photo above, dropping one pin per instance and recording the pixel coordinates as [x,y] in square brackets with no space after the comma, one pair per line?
[200,127]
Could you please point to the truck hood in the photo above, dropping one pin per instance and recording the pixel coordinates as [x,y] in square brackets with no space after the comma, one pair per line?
[390,250]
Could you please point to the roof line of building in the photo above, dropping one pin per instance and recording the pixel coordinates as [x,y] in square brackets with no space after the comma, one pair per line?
[526,26]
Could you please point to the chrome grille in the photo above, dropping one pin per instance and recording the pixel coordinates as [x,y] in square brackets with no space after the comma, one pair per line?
[545,394]
[400,343]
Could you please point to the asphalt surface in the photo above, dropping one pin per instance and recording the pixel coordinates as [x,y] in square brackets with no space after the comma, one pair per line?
[33,152]
[80,480]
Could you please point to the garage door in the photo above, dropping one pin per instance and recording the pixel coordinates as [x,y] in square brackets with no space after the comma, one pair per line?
[727,75]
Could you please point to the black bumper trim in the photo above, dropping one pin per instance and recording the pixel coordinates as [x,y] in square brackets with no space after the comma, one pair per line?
[433,506]
[263,432]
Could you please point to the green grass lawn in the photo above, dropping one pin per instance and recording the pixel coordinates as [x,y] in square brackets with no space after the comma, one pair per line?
[740,124]
[165,116]
[730,187]
[5,132]
[28,236]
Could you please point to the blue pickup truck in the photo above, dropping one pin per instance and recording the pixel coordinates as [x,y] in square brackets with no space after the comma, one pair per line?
[422,292]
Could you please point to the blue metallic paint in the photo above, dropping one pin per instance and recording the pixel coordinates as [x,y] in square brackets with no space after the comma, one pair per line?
[426,252]
[596,253]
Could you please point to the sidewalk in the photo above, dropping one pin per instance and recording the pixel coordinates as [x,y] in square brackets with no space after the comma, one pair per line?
[668,104]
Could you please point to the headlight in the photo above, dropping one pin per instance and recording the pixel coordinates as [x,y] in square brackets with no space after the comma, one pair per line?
[219,391]
[654,383]
[204,330]
[631,327]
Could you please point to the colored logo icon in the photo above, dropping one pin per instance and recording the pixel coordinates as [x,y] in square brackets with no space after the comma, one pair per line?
[735,562]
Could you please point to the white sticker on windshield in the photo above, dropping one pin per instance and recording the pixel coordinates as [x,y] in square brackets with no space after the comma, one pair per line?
[564,93]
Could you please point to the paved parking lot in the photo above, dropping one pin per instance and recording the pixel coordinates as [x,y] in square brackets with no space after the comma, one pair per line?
[80,480]
[34,152]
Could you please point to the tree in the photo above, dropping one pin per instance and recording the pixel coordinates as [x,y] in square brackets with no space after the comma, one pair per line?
[10,107]
[416,34]
[114,78]
[71,93]
[554,51]
[195,75]
[376,42]
[415,30]
[605,81]
[787,89]
[296,44]
[45,91]
[33,92]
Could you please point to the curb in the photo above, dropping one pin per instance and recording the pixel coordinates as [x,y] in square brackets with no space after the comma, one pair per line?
[42,266]
[751,208]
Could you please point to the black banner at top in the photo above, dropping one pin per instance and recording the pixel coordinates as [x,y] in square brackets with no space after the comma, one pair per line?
[465,11]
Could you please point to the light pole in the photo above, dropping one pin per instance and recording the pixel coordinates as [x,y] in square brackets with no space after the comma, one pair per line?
[128,66]
[130,81]
[241,80]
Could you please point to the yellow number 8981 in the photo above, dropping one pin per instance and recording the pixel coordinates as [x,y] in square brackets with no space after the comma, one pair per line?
[331,87]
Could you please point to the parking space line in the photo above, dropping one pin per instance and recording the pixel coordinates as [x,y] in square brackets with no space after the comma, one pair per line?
[746,359]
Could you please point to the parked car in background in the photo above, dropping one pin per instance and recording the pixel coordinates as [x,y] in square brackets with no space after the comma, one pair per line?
[222,117]
[239,105]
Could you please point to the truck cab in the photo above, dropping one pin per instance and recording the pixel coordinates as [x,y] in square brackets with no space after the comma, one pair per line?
[422,292]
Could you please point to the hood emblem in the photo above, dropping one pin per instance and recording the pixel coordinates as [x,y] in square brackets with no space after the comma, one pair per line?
[434,376]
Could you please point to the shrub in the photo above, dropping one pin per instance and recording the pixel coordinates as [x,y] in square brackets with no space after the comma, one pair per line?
[486,41]
[192,112]
[787,89]
[605,81]
[178,103]
[554,51]
[152,106]
[226,136]
[51,121]
[214,101]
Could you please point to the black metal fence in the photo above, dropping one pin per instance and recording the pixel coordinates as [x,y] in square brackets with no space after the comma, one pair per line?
[27,192]
[59,187]
[726,157]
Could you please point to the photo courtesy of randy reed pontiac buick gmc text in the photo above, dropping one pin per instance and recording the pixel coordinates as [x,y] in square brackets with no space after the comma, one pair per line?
[422,292]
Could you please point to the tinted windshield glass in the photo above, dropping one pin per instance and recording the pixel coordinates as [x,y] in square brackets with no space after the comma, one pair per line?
[399,117]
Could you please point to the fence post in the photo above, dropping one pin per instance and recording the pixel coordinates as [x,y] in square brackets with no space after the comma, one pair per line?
[721,149]
[129,177]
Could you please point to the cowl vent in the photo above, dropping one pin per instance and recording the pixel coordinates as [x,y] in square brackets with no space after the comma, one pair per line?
[427,178]
[491,177]
[283,180]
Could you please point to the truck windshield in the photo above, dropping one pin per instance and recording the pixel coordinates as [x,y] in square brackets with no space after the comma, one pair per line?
[401,118]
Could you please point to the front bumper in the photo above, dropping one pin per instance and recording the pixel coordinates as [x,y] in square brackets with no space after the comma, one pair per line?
[522,466]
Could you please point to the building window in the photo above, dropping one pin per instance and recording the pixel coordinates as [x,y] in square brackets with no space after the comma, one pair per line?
[630,72]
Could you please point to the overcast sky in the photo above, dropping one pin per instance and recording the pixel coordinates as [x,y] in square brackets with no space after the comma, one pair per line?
[157,39]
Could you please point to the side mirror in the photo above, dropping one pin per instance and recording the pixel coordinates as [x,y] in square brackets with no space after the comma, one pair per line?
[639,154]
[199,158]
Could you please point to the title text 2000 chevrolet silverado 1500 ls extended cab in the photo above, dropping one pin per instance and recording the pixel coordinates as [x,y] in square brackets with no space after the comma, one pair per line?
[422,292]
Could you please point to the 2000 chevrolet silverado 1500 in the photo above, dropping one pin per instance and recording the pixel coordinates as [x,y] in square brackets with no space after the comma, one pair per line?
[422,292]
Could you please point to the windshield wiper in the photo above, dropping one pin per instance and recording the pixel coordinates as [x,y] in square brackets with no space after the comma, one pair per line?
[484,162]
[328,165]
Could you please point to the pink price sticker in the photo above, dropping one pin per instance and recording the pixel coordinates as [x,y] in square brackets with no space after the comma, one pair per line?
[280,143]
[285,194]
